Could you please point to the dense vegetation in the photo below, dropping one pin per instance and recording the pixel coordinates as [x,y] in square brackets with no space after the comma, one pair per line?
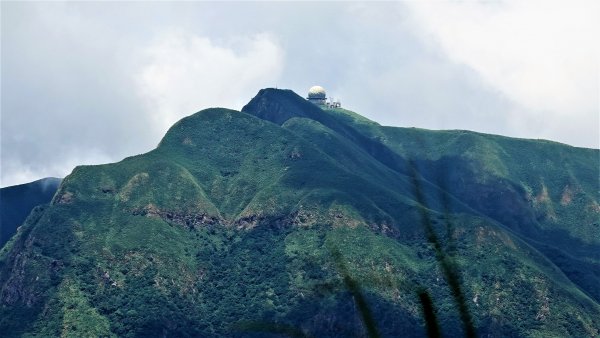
[16,202]
[292,220]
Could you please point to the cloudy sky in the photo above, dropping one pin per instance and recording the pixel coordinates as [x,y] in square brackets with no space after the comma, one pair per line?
[88,83]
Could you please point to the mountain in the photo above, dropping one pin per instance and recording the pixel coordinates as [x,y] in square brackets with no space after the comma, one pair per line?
[16,202]
[288,219]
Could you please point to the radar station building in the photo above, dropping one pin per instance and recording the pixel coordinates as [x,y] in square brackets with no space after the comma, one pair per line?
[317,95]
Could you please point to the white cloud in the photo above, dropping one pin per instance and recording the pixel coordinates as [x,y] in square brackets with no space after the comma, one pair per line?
[79,79]
[18,171]
[182,73]
[541,55]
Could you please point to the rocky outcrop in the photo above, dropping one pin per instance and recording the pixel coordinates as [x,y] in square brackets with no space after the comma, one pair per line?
[185,219]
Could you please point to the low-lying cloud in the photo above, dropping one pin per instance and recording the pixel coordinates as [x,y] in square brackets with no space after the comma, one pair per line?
[183,72]
[81,84]
[541,55]
[77,89]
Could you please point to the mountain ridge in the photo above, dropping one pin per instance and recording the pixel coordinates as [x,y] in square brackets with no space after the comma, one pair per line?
[235,219]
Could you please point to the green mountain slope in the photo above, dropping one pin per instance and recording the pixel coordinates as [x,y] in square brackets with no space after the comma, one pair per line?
[294,220]
[16,202]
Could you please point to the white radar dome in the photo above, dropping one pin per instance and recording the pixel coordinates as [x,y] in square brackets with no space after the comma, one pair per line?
[316,92]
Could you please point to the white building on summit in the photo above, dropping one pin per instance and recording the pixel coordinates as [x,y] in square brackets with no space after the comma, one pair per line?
[317,95]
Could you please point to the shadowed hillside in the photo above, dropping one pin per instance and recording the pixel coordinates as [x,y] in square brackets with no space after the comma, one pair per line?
[16,202]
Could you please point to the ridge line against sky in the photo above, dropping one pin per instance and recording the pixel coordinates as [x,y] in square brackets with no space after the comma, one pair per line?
[90,83]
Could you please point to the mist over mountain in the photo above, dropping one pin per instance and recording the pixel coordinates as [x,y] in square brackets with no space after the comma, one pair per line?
[294,219]
[16,202]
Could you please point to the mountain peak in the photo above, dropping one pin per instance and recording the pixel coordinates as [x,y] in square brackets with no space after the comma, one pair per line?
[280,105]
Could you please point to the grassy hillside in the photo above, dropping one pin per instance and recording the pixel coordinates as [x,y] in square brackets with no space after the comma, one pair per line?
[290,220]
[544,191]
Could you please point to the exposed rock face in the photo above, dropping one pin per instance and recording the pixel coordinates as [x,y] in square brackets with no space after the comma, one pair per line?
[187,220]
[66,197]
[19,283]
